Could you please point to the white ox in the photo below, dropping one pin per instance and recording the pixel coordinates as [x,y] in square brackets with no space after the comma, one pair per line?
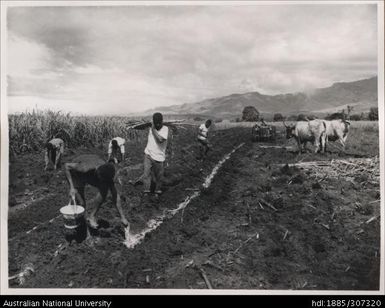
[313,131]
[337,130]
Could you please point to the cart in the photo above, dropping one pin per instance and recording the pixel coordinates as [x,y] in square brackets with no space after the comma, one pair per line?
[262,133]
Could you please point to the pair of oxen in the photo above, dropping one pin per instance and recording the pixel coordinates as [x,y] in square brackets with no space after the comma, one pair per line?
[318,132]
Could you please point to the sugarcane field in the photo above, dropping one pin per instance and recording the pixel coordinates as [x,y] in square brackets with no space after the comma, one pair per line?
[192,148]
[253,215]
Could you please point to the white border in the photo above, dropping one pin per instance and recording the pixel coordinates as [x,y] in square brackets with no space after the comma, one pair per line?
[4,160]
[5,151]
[16,3]
[381,110]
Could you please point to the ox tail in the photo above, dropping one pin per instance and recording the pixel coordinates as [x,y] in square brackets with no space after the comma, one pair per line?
[346,128]
[324,138]
[325,132]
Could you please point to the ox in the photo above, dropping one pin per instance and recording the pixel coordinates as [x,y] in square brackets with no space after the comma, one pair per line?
[310,131]
[337,130]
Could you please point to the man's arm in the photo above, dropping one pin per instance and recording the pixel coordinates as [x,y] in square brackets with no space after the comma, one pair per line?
[62,148]
[202,133]
[122,150]
[158,138]
[58,154]
[46,159]
[67,168]
[109,150]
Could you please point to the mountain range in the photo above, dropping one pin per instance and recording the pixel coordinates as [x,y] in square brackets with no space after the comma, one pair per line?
[361,94]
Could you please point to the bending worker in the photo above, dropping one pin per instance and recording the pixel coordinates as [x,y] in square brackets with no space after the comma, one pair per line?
[54,149]
[91,169]
[116,149]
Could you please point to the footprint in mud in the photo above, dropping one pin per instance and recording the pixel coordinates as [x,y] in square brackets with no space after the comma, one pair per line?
[319,247]
[316,185]
[116,257]
[45,178]
[103,224]
[287,170]
[92,241]
[107,230]
[298,179]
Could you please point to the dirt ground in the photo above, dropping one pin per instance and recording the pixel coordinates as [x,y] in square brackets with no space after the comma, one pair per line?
[260,225]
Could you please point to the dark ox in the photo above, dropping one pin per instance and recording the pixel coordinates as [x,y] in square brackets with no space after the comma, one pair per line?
[337,130]
[308,131]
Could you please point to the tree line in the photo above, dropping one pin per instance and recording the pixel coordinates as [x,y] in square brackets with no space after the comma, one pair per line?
[251,114]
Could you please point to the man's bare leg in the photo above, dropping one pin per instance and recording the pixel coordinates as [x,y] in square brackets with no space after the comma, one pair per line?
[118,205]
[98,201]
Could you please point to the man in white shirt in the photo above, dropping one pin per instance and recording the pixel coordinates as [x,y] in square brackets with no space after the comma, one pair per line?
[204,145]
[116,149]
[154,155]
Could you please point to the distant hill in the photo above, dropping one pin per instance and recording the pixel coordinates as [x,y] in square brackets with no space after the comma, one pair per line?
[361,94]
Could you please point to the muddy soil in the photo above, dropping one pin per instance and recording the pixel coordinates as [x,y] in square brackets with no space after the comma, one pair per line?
[260,225]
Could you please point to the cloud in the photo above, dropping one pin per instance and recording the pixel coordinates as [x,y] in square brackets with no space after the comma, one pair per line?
[130,58]
[27,58]
[93,69]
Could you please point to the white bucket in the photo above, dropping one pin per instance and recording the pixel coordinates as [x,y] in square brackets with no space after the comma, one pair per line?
[72,215]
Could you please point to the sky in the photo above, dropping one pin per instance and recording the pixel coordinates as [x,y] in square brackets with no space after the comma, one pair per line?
[126,59]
